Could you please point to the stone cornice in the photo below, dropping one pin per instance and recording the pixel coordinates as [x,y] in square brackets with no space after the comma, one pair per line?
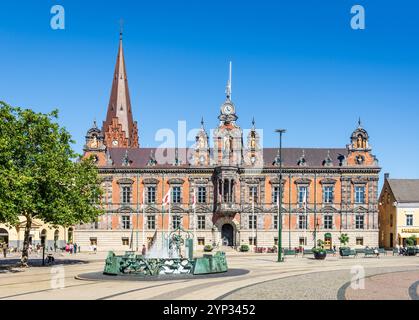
[244,171]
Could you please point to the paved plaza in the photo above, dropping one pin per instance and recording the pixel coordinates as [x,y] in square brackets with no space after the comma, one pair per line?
[252,277]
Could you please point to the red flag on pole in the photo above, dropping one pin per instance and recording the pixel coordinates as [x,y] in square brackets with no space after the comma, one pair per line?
[166,199]
[193,199]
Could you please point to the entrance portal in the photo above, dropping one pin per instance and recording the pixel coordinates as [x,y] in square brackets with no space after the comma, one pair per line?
[328,241]
[227,235]
[4,236]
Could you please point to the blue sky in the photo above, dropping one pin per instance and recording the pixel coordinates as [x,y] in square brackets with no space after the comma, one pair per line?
[296,64]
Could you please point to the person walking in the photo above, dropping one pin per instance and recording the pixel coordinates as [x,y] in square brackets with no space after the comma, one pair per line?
[71,248]
[4,247]
[75,248]
[67,248]
[144,250]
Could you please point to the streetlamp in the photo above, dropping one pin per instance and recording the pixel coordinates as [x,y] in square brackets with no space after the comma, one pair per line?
[280,258]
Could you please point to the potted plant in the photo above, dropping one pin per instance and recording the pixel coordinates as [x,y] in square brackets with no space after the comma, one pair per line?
[410,243]
[208,248]
[344,240]
[319,251]
[244,248]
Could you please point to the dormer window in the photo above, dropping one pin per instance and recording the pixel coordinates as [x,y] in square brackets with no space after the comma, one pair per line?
[302,161]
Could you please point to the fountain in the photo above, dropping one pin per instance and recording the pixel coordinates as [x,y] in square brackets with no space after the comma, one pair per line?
[167,260]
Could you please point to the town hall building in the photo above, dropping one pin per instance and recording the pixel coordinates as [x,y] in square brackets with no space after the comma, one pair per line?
[226,194]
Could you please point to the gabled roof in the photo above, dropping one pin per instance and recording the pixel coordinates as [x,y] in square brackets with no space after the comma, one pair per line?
[405,190]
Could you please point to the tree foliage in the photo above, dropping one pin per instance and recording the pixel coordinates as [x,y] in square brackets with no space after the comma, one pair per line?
[344,239]
[39,177]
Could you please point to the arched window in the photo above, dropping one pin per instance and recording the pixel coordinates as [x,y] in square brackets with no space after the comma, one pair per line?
[70,235]
[43,236]
[4,235]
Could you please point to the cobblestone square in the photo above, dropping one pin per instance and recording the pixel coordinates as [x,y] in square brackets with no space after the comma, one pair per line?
[298,278]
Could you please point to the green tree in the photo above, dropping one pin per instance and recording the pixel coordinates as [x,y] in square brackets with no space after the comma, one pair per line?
[410,242]
[344,239]
[39,177]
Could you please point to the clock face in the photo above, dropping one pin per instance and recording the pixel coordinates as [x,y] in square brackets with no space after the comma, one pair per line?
[202,159]
[228,109]
[115,142]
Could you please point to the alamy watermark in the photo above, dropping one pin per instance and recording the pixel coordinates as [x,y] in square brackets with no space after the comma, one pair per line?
[358,20]
[358,278]
[57,21]
[57,277]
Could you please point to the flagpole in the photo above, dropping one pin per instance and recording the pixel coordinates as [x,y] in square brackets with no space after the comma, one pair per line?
[305,215]
[194,219]
[162,214]
[253,214]
[144,216]
[169,227]
[138,209]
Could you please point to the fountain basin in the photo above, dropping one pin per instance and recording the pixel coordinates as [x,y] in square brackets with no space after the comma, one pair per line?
[130,263]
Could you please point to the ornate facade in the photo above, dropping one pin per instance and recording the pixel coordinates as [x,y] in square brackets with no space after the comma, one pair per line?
[228,193]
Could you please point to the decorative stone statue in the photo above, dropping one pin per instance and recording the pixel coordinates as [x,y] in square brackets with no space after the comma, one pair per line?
[359,142]
[93,144]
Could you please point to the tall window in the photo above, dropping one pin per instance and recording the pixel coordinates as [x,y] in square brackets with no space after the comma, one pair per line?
[328,222]
[202,195]
[302,222]
[252,221]
[359,221]
[252,241]
[126,223]
[253,194]
[275,194]
[176,194]
[126,194]
[302,195]
[201,222]
[359,194]
[328,194]
[176,222]
[302,241]
[275,221]
[151,222]
[409,220]
[151,194]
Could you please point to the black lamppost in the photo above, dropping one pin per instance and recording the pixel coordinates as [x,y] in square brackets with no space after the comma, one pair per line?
[280,258]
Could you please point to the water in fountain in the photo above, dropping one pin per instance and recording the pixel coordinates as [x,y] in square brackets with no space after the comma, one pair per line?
[159,252]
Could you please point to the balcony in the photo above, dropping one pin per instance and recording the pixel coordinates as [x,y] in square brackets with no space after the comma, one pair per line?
[227,208]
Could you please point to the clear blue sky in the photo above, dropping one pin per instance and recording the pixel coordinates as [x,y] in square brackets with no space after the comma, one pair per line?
[296,64]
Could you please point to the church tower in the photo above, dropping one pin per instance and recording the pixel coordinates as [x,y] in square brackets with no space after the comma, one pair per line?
[119,128]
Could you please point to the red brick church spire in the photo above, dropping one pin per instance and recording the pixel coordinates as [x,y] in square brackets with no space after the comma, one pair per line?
[119,128]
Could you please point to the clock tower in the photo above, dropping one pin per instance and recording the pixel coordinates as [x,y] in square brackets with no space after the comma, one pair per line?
[228,137]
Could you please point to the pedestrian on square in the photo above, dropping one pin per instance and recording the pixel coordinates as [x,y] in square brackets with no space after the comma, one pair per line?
[4,247]
[67,248]
[144,250]
[75,248]
[71,248]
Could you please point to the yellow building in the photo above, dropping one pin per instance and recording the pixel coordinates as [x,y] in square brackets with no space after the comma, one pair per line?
[398,211]
[41,233]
